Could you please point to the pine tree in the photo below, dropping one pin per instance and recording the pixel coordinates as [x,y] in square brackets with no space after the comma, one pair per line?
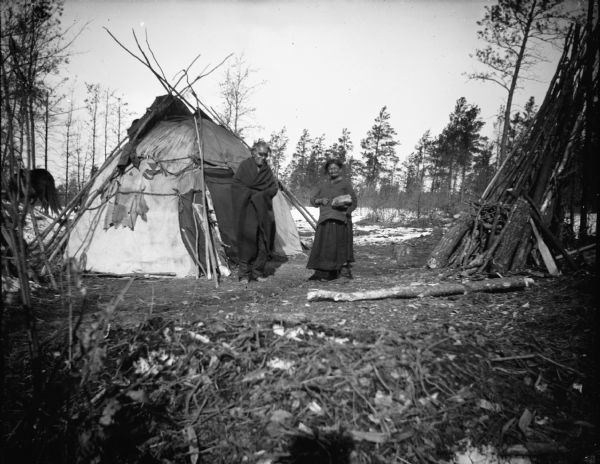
[379,151]
[513,29]
[316,160]
[414,166]
[467,126]
[278,143]
[434,165]
[457,143]
[342,150]
[520,123]
[296,171]
[482,171]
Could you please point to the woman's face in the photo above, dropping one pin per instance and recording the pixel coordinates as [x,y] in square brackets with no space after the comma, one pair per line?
[333,170]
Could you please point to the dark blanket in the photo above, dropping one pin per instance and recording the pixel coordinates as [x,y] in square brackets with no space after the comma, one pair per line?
[253,190]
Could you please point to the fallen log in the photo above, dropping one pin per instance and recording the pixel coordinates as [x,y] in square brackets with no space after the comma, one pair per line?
[139,275]
[420,291]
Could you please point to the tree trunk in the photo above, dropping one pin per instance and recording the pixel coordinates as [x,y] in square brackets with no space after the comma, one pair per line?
[22,138]
[67,152]
[94,130]
[450,176]
[463,175]
[106,125]
[119,121]
[31,128]
[513,82]
[46,123]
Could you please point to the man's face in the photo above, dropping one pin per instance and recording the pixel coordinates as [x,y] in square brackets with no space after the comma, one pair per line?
[260,156]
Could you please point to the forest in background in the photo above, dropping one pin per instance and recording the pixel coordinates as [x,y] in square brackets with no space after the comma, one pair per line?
[44,125]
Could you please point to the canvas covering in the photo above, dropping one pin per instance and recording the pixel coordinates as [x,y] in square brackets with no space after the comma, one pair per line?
[140,221]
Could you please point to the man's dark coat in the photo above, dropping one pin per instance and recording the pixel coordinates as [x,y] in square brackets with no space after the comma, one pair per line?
[253,190]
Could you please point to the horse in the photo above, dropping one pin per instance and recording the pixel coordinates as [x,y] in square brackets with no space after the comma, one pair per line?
[41,187]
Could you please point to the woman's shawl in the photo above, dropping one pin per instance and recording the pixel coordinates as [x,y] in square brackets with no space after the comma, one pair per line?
[331,190]
[253,190]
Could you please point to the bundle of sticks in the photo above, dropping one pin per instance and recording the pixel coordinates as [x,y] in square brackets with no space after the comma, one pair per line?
[512,217]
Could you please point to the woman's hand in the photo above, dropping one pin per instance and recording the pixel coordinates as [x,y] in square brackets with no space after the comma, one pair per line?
[323,201]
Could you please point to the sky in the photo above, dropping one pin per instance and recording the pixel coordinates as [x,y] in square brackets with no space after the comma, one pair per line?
[320,65]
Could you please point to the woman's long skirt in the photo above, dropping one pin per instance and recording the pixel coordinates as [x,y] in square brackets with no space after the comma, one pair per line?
[332,247]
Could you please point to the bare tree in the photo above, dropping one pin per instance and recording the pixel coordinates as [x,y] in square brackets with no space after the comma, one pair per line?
[108,95]
[121,113]
[92,104]
[33,47]
[52,110]
[68,135]
[80,159]
[237,89]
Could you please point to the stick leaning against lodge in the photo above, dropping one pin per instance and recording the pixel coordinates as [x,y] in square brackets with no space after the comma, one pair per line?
[294,201]
[207,255]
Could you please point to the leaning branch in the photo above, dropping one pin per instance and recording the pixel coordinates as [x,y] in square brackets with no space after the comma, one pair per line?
[204,74]
[139,59]
[153,56]
[163,81]
[184,72]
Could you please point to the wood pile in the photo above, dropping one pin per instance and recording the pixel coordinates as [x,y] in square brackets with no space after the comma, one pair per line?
[512,217]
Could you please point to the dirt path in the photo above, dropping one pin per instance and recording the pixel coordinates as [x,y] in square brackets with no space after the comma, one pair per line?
[283,295]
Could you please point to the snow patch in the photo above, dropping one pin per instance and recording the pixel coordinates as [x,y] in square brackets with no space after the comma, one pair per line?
[486,455]
[364,234]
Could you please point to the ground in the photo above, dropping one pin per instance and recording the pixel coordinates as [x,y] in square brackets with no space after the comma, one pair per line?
[243,371]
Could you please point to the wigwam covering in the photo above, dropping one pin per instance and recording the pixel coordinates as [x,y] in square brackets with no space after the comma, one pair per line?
[147,213]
